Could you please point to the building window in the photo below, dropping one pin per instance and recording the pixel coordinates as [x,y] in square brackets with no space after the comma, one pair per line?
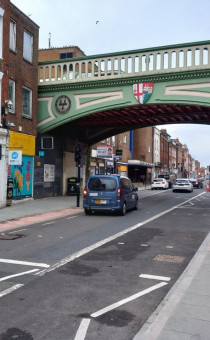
[108,141]
[1,31]
[113,140]
[27,102]
[12,35]
[66,55]
[27,46]
[47,142]
[124,139]
[12,95]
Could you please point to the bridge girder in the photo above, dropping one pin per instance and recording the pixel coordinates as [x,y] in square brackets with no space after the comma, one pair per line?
[98,126]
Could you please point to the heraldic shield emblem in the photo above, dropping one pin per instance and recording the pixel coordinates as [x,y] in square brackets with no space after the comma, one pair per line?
[143,91]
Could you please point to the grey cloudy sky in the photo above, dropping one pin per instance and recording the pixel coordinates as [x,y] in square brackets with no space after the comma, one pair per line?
[126,25]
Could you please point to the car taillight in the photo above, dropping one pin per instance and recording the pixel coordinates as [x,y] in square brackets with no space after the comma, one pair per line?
[196,182]
[164,182]
[152,182]
[84,193]
[118,193]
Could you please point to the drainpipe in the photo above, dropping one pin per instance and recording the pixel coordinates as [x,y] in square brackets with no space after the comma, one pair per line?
[131,143]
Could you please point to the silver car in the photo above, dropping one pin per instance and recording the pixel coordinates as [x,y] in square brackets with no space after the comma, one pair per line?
[182,184]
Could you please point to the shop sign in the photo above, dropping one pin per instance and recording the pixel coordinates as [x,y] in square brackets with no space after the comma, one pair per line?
[15,157]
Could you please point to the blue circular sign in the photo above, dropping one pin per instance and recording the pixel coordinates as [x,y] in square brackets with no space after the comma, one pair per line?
[14,155]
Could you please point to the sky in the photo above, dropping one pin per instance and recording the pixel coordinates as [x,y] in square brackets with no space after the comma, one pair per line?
[126,25]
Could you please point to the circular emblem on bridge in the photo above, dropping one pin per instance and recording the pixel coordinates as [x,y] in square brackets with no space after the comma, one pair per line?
[63,104]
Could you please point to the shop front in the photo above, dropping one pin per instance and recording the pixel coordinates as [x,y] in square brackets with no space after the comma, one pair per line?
[21,164]
[140,172]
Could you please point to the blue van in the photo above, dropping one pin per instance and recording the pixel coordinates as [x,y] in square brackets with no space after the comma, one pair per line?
[111,193]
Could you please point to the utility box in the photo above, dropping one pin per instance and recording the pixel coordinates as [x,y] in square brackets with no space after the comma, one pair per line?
[73,186]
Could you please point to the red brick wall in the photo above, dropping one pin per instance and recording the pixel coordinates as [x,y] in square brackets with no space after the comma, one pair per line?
[21,71]
[5,4]
[143,144]
[164,152]
[54,53]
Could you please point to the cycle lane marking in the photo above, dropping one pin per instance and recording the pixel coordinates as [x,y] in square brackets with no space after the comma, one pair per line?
[128,299]
[25,263]
[19,274]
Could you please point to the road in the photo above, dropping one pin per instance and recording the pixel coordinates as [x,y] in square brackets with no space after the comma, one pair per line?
[101,276]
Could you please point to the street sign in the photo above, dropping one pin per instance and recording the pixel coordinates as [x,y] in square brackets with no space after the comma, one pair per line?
[117,158]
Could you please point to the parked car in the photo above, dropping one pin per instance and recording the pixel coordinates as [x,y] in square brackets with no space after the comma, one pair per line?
[167,178]
[196,182]
[182,184]
[159,183]
[111,193]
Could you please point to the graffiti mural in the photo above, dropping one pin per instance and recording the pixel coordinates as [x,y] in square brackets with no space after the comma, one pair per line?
[22,177]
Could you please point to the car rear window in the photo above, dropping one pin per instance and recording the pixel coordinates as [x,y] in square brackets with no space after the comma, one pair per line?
[164,176]
[159,180]
[102,184]
[182,181]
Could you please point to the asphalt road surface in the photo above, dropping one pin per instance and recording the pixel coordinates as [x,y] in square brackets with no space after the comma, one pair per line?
[98,277]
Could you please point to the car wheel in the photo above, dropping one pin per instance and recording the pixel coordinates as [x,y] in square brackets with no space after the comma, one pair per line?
[136,205]
[123,210]
[174,190]
[88,211]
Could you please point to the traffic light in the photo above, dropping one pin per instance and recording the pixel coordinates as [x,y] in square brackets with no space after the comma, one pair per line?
[77,153]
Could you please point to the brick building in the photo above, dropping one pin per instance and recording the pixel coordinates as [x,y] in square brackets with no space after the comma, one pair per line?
[172,157]
[56,53]
[164,151]
[59,155]
[19,69]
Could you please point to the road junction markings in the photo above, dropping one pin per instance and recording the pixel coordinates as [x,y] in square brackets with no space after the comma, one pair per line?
[82,331]
[24,263]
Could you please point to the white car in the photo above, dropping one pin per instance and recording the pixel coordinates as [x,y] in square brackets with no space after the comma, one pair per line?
[182,184]
[159,183]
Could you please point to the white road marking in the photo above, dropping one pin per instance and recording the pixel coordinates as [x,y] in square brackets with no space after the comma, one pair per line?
[170,247]
[10,290]
[155,277]
[111,238]
[25,263]
[68,218]
[144,245]
[19,274]
[48,223]
[16,231]
[81,333]
[128,299]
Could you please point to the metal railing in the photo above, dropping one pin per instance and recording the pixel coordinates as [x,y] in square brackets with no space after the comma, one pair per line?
[160,60]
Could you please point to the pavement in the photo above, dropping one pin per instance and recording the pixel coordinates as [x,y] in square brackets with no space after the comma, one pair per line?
[184,313]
